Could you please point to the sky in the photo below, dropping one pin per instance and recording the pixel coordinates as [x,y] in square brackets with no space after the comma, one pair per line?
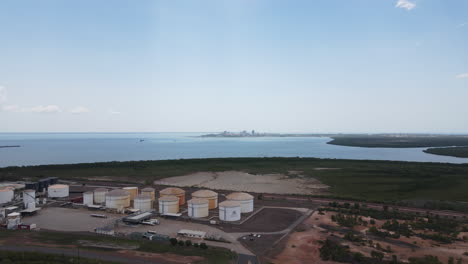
[271,65]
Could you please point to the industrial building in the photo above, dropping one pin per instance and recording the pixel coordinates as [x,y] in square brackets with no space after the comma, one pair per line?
[198,207]
[230,211]
[246,201]
[168,204]
[209,195]
[172,191]
[191,233]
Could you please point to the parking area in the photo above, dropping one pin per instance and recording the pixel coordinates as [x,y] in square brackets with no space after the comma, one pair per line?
[67,219]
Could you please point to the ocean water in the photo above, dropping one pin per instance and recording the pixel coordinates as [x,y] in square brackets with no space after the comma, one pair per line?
[62,148]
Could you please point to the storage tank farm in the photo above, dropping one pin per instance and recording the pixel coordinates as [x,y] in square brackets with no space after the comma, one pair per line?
[198,207]
[88,198]
[29,199]
[58,191]
[143,202]
[246,201]
[117,199]
[100,195]
[6,195]
[209,195]
[172,191]
[230,211]
[168,204]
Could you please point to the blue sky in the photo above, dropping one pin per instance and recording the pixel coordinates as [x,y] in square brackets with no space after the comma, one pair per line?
[277,66]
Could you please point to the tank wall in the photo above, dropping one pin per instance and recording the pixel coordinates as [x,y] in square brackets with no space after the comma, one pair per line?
[168,207]
[58,192]
[229,213]
[29,197]
[198,210]
[88,198]
[117,202]
[246,206]
[99,197]
[180,196]
[143,205]
[150,193]
[6,196]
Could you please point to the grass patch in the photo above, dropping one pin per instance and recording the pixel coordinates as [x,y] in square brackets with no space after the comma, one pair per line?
[459,152]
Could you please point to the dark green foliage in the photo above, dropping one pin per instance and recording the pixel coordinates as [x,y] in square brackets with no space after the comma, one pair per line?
[188,243]
[352,237]
[43,258]
[377,255]
[173,241]
[425,260]
[387,181]
[181,243]
[333,251]
[408,141]
[461,152]
[395,226]
[203,246]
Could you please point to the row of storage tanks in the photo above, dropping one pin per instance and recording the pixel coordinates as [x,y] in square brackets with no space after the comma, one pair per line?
[170,199]
[204,200]
[53,191]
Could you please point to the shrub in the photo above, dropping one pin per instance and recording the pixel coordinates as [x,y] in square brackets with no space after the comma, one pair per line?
[173,241]
[188,243]
[181,243]
[203,246]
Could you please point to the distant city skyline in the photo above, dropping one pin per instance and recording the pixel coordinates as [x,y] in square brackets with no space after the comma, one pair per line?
[325,66]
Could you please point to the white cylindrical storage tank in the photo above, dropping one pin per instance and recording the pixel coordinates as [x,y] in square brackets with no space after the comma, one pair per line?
[29,196]
[6,195]
[169,204]
[198,207]
[149,191]
[88,198]
[143,202]
[13,220]
[230,211]
[58,191]
[209,195]
[100,195]
[133,191]
[171,191]
[117,199]
[245,200]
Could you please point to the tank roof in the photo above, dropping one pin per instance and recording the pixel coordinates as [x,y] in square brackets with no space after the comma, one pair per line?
[101,190]
[148,189]
[197,201]
[117,193]
[204,193]
[169,198]
[58,186]
[172,191]
[88,193]
[130,188]
[229,204]
[239,196]
[6,189]
[142,197]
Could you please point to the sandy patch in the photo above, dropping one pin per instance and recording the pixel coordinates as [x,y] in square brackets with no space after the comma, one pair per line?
[246,182]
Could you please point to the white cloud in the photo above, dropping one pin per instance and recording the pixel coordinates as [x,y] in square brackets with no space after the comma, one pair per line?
[11,108]
[113,112]
[462,75]
[406,4]
[3,94]
[45,109]
[79,110]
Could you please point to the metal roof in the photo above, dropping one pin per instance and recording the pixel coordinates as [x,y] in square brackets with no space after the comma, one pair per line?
[239,196]
[204,194]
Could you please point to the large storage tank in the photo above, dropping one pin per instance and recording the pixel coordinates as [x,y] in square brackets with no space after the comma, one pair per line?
[171,191]
[209,195]
[58,191]
[169,204]
[230,211]
[133,191]
[198,207]
[13,220]
[143,202]
[29,198]
[6,195]
[149,191]
[100,195]
[88,198]
[117,199]
[245,199]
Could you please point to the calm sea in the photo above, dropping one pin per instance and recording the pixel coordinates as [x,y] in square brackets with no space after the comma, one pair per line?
[61,148]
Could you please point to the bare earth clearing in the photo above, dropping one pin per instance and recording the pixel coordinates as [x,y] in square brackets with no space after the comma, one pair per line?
[246,182]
